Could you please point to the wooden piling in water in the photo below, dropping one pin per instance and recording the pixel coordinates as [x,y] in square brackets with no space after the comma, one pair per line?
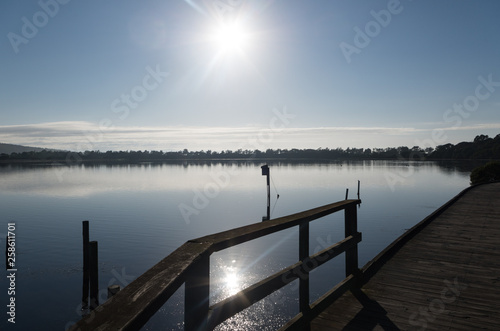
[112,290]
[86,270]
[94,275]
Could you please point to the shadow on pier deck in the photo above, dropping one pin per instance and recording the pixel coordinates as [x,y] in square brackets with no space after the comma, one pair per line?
[444,274]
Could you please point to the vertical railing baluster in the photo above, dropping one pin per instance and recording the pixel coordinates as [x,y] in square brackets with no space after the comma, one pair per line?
[197,294]
[351,228]
[304,279]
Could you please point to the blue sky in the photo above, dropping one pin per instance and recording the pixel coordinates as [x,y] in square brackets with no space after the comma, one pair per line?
[154,74]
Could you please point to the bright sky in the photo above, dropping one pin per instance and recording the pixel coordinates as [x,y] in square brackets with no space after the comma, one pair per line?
[250,74]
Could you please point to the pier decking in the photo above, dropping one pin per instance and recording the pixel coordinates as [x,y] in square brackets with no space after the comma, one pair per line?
[444,274]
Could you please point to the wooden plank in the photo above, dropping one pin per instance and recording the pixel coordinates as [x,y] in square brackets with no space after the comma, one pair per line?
[243,234]
[334,250]
[410,285]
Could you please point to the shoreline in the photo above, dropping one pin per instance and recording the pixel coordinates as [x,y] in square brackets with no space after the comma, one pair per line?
[61,162]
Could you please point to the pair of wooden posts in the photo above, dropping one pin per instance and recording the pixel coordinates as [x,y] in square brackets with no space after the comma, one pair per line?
[91,272]
[347,191]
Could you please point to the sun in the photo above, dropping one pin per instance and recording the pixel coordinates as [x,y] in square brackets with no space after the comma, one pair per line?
[230,37]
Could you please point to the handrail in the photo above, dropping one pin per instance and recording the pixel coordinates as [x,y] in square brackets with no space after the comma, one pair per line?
[133,306]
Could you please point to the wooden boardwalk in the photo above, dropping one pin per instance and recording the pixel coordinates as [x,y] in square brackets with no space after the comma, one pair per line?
[444,275]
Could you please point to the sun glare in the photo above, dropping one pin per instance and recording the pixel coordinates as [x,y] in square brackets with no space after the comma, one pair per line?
[231,48]
[230,37]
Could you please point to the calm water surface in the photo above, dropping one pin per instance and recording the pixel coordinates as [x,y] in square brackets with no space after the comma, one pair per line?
[141,213]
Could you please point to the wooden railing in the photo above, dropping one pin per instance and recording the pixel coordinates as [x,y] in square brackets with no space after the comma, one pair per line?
[132,307]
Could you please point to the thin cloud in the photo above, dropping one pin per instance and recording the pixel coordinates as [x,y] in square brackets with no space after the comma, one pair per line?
[80,136]
[476,127]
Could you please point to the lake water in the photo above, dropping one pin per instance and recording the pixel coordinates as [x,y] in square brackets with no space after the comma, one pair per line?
[141,213]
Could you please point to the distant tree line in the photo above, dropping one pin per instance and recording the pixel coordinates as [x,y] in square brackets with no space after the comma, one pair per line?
[482,147]
[186,155]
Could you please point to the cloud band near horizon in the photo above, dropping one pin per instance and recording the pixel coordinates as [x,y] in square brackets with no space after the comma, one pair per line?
[81,136]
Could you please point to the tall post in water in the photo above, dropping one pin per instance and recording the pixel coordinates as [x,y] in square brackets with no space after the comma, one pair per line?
[265,172]
[86,267]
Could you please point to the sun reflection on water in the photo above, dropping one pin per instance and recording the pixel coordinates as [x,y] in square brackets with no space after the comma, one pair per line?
[238,268]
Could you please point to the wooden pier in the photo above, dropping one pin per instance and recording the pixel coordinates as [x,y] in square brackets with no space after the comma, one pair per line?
[443,274]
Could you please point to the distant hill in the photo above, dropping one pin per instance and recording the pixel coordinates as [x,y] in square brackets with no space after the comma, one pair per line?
[9,149]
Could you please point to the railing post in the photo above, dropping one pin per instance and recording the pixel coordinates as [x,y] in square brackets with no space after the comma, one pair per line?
[304,278]
[351,228]
[197,294]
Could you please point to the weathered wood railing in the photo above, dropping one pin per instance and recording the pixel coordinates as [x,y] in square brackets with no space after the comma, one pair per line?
[132,307]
